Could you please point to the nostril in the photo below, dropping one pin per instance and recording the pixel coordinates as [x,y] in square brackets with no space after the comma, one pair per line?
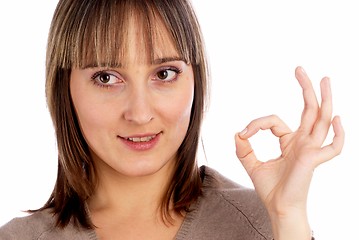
[139,118]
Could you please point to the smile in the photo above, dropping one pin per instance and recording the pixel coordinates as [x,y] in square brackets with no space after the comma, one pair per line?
[141,139]
[141,143]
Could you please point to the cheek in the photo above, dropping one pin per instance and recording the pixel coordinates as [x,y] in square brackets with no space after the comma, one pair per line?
[92,117]
[178,109]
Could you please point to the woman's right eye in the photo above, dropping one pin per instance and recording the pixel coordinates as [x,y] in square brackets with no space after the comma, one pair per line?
[106,78]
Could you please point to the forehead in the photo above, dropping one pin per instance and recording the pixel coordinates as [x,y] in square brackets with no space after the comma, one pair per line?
[145,45]
[120,38]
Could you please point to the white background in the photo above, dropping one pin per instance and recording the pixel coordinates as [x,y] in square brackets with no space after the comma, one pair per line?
[253,49]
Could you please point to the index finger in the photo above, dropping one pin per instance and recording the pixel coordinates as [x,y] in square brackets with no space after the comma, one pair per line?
[311,106]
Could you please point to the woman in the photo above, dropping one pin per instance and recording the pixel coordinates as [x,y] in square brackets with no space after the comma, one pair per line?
[126,85]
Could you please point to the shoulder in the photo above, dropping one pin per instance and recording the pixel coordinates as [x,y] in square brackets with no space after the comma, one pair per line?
[229,206]
[216,184]
[39,225]
[29,227]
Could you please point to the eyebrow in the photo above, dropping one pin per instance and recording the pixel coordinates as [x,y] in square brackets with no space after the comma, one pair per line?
[119,65]
[94,65]
[167,59]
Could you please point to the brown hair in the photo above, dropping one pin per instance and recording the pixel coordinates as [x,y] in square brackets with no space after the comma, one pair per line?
[87,32]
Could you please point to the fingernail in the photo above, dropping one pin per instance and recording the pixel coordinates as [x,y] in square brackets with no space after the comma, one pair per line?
[302,70]
[243,132]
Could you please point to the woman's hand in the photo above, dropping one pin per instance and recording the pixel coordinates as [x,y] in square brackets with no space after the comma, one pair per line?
[283,183]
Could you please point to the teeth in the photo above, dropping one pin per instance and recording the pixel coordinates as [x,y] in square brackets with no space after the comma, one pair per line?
[141,139]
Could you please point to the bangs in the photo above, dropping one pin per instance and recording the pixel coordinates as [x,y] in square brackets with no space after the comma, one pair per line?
[100,35]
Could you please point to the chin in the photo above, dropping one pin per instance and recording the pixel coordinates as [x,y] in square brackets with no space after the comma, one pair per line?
[143,169]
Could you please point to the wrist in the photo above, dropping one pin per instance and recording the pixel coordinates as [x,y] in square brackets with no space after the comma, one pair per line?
[294,226]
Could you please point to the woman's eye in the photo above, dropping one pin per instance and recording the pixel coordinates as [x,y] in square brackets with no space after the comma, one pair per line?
[105,78]
[167,75]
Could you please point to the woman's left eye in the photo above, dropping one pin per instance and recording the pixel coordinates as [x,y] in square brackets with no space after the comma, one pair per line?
[167,75]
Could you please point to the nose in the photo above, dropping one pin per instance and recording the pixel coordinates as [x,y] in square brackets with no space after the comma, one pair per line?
[139,106]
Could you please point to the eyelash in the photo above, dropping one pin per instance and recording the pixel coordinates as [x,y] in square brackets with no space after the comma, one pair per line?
[174,69]
[98,83]
[103,85]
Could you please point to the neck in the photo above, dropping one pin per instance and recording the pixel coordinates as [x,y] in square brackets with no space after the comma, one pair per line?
[127,196]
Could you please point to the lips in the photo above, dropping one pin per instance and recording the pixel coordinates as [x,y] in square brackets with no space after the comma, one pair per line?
[141,142]
[141,139]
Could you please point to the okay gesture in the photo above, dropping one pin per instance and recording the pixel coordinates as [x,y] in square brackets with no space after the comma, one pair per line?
[283,183]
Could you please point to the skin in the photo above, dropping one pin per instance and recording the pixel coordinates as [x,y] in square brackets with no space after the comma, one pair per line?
[135,102]
[283,183]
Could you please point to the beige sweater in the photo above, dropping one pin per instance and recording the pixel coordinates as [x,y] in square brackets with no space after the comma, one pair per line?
[225,211]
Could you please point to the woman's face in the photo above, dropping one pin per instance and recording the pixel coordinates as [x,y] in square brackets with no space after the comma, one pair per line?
[135,116]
